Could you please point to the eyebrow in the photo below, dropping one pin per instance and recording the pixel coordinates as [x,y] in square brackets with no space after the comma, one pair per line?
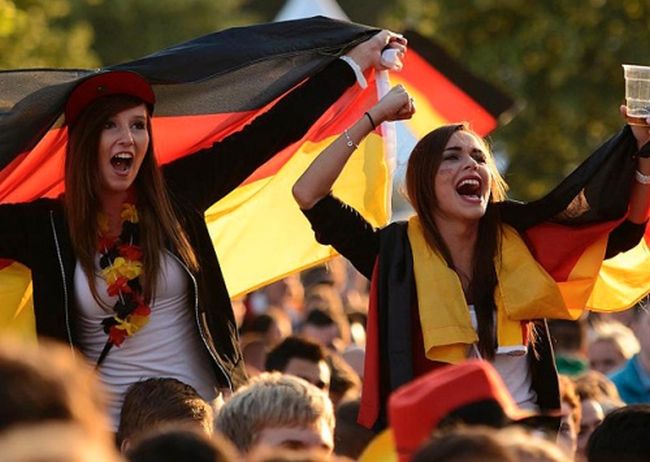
[458,149]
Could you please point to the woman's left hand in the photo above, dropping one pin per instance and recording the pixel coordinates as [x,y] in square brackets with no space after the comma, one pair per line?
[641,133]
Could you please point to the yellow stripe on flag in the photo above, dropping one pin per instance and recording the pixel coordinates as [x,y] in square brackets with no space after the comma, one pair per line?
[261,235]
[623,280]
[16,308]
[426,118]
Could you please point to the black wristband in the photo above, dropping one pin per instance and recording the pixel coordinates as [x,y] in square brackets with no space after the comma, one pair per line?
[372,122]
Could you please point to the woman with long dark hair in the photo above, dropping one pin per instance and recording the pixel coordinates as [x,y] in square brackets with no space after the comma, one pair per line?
[458,281]
[122,264]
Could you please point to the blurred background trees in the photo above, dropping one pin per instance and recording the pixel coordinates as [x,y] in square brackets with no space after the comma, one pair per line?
[560,59]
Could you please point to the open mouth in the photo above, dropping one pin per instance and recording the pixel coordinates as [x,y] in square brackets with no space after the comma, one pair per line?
[122,162]
[470,188]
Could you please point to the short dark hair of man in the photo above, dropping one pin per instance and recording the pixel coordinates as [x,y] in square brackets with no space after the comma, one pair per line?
[152,402]
[180,445]
[294,347]
[622,436]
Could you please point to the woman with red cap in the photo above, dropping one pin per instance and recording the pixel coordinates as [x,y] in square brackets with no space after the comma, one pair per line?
[122,264]
[457,280]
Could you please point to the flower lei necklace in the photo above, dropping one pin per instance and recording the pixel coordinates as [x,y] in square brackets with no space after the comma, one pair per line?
[121,267]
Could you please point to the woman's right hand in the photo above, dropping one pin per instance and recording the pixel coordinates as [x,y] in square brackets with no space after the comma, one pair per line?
[368,53]
[397,104]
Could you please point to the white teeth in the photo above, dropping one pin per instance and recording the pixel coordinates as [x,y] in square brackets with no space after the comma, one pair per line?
[469,181]
[124,155]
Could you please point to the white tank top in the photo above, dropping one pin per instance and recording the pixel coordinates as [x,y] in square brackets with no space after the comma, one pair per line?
[168,346]
[513,366]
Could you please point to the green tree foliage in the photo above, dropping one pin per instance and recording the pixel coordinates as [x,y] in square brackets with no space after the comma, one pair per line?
[561,59]
[31,35]
[129,29]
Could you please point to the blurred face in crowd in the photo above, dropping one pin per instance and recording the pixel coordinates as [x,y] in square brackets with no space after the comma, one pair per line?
[641,328]
[318,435]
[592,416]
[605,356]
[317,374]
[567,437]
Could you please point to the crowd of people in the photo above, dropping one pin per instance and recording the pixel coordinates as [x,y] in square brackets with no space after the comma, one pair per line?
[420,346]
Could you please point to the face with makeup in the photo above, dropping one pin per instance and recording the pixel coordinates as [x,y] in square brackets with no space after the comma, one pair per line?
[463,180]
[123,144]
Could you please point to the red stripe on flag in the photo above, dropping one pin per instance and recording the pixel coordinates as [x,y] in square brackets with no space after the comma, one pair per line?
[451,102]
[558,247]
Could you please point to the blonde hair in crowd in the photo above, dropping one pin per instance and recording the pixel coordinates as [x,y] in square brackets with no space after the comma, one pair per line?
[272,400]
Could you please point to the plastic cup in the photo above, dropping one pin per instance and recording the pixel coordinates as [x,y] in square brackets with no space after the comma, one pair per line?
[637,93]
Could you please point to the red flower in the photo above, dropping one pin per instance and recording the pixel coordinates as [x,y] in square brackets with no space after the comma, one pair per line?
[121,284]
[130,252]
[116,335]
[105,243]
[142,310]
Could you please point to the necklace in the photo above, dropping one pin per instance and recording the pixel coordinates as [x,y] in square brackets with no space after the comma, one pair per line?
[121,267]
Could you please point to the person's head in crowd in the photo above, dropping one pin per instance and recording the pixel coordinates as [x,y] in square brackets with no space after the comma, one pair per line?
[464,444]
[254,350]
[154,402]
[268,454]
[278,410]
[182,444]
[597,386]
[54,441]
[46,382]
[591,397]
[327,328]
[345,383]
[610,346]
[287,293]
[303,358]
[350,438]
[641,327]
[528,446]
[622,436]
[567,437]
[355,356]
[631,379]
[570,338]
[468,393]
[273,325]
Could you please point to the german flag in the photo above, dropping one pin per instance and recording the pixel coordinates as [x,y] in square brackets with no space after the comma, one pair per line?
[445,91]
[206,89]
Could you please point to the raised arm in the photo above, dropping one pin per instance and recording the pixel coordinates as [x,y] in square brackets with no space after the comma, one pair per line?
[640,199]
[319,177]
[210,174]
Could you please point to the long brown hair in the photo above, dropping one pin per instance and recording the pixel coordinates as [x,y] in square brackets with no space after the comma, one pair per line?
[158,224]
[422,167]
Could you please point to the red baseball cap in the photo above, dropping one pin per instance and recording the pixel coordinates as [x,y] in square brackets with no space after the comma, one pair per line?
[416,409]
[106,84]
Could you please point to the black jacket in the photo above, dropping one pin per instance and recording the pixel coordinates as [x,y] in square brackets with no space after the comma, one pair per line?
[36,235]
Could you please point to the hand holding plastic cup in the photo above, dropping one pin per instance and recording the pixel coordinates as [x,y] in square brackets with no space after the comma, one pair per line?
[637,93]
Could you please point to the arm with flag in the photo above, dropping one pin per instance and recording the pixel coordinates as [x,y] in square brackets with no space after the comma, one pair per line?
[207,90]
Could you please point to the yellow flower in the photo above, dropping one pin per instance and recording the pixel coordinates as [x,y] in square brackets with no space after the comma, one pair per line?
[132,324]
[129,213]
[122,267]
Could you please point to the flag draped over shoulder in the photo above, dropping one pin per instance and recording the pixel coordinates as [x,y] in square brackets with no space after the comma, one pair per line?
[567,231]
[206,89]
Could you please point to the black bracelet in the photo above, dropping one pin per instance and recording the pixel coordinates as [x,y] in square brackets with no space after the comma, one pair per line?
[372,122]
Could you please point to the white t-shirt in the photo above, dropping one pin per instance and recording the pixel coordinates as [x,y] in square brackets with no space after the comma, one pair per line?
[513,366]
[168,346]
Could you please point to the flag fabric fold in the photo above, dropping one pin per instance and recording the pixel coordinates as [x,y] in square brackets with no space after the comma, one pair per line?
[206,89]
